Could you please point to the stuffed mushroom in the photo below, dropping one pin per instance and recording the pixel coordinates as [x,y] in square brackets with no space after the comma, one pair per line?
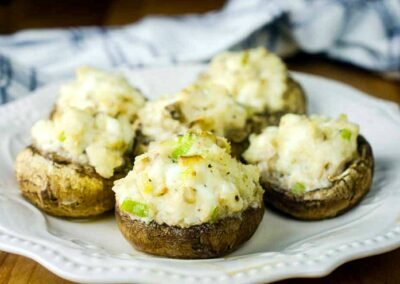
[188,198]
[258,80]
[83,147]
[312,167]
[206,107]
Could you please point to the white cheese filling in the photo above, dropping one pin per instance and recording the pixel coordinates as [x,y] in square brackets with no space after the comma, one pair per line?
[255,77]
[188,180]
[304,154]
[97,91]
[207,107]
[94,122]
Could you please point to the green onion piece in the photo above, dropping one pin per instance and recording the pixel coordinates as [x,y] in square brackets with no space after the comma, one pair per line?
[61,136]
[298,188]
[185,142]
[345,134]
[214,215]
[245,58]
[343,116]
[135,208]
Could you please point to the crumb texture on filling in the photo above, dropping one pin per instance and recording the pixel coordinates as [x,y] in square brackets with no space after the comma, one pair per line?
[188,180]
[304,153]
[255,77]
[94,121]
[205,107]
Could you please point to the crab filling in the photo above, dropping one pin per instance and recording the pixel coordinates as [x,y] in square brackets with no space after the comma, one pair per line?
[304,153]
[188,180]
[94,121]
[255,77]
[205,107]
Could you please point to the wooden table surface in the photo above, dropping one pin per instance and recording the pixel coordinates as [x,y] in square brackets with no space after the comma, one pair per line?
[382,268]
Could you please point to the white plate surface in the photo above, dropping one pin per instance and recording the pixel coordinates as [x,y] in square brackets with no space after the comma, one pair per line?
[95,251]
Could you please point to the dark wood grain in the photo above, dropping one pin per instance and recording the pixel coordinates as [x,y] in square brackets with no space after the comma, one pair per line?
[22,14]
[371,83]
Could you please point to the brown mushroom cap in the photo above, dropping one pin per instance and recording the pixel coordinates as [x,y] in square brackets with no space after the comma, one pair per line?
[346,191]
[207,240]
[62,188]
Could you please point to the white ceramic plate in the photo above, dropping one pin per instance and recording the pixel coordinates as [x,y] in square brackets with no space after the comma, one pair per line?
[95,251]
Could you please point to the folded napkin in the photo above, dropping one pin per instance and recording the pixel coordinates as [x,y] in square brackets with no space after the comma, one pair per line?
[361,32]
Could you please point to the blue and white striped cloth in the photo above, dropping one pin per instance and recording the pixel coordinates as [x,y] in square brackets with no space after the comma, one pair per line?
[362,32]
